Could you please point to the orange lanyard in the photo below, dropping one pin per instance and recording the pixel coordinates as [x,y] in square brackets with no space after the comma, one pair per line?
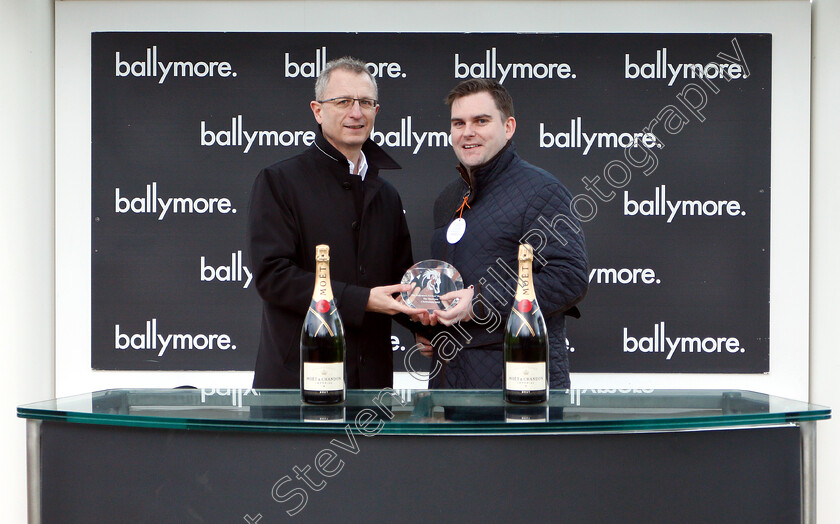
[461,209]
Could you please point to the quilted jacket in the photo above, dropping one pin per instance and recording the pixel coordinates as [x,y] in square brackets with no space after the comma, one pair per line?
[509,201]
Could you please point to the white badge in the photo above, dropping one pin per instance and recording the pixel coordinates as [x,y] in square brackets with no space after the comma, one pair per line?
[456,230]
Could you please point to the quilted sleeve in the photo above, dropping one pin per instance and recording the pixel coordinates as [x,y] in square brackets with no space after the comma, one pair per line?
[560,260]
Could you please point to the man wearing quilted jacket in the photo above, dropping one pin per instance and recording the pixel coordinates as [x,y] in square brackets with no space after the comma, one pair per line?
[497,202]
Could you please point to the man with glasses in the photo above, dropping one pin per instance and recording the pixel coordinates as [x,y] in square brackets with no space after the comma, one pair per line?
[331,194]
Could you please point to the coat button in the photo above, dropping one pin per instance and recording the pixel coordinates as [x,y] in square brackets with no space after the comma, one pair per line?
[355,225]
[346,185]
[361,360]
[362,270]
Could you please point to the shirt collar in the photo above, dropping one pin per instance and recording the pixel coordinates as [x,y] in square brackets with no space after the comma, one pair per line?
[363,165]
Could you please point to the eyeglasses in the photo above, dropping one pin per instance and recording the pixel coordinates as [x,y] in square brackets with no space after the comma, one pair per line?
[343,102]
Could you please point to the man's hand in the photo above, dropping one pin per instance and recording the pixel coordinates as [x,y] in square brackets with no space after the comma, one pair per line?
[426,348]
[462,312]
[382,300]
[422,316]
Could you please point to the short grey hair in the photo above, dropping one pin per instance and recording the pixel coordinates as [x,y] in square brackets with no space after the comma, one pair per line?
[346,63]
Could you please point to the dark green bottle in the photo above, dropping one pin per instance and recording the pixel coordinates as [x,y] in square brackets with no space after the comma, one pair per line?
[322,345]
[526,340]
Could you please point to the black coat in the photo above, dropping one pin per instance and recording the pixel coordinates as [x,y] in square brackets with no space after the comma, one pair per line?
[312,199]
[511,201]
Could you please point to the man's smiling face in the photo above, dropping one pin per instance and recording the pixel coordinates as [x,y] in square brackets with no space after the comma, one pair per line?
[479,130]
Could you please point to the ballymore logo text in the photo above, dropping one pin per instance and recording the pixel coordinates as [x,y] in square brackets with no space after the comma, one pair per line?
[151,67]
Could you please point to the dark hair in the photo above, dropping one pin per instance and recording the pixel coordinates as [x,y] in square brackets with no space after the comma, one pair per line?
[345,63]
[503,100]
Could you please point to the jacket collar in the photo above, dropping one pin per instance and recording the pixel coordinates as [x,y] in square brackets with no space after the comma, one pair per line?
[376,157]
[480,176]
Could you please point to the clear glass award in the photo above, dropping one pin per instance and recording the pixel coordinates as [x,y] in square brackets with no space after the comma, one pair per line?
[430,279]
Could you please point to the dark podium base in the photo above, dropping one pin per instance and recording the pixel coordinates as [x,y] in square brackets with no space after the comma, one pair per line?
[104,474]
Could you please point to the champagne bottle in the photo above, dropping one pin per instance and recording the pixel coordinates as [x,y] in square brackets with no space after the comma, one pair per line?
[526,340]
[322,346]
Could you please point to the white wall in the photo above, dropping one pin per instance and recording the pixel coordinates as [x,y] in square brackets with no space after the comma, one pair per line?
[26,232]
[825,250]
[27,299]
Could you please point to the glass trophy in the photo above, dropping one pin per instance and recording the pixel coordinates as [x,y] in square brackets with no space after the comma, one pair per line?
[429,280]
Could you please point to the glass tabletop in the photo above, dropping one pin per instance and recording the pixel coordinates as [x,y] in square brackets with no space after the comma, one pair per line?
[426,412]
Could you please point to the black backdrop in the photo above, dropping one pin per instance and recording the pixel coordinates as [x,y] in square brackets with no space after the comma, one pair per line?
[674,190]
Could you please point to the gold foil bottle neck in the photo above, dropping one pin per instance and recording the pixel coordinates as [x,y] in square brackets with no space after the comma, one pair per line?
[526,252]
[322,253]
